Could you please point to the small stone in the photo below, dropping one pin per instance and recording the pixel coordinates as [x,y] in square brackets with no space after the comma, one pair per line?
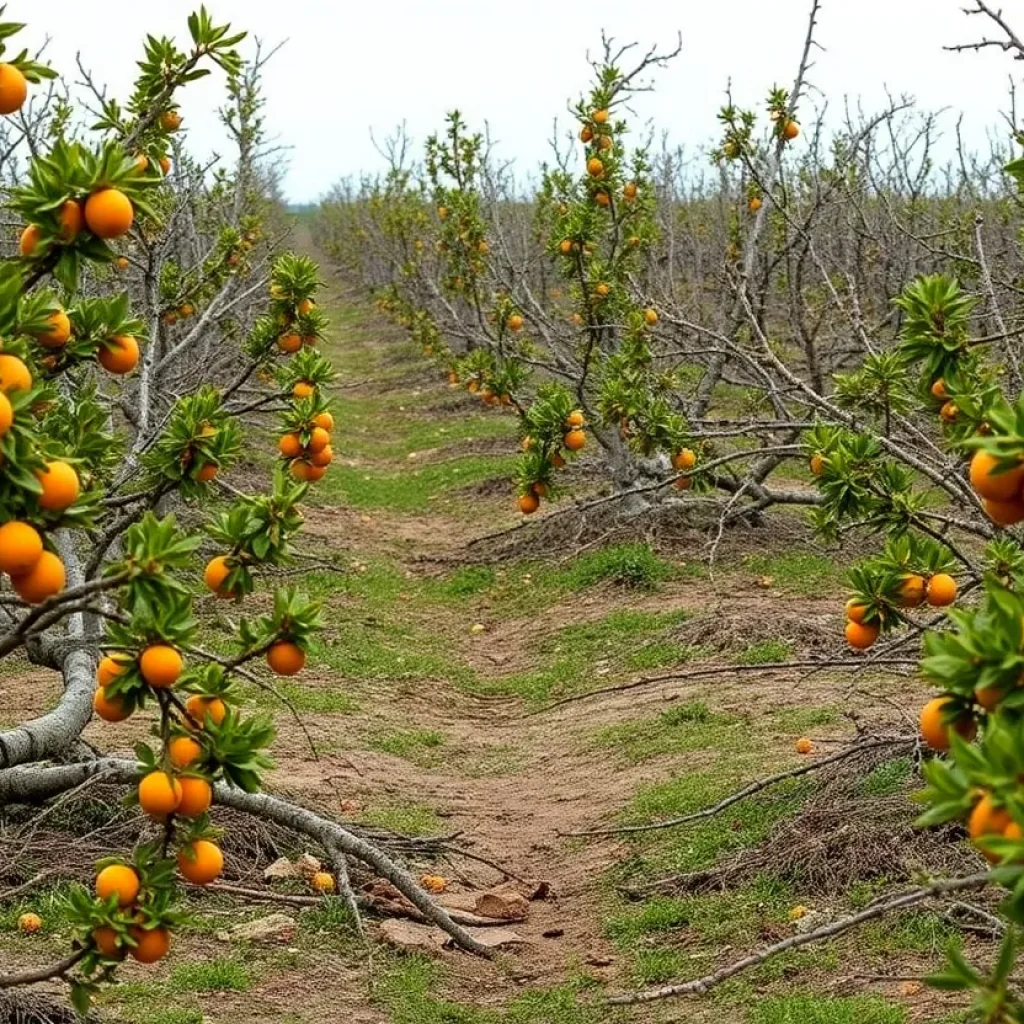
[281,868]
[478,627]
[275,928]
[503,905]
[307,865]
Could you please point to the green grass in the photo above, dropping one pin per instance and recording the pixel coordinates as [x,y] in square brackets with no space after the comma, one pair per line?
[798,573]
[420,746]
[686,727]
[225,975]
[812,1009]
[888,778]
[798,721]
[405,818]
[765,652]
[315,699]
[566,660]
[918,932]
[466,582]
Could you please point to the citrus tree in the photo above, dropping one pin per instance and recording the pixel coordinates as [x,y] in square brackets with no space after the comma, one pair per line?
[144,316]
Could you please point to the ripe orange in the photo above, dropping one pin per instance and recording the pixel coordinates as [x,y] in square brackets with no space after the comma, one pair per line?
[565,247]
[515,322]
[790,129]
[13,89]
[289,343]
[574,440]
[860,636]
[196,796]
[14,374]
[118,880]
[938,390]
[305,307]
[754,205]
[528,504]
[935,731]
[602,198]
[160,665]
[199,706]
[185,310]
[20,547]
[290,446]
[685,458]
[58,333]
[540,489]
[434,883]
[165,168]
[322,458]
[286,658]
[60,486]
[183,751]
[949,412]
[650,317]
[941,590]
[817,464]
[6,414]
[988,697]
[527,443]
[319,439]
[602,290]
[109,213]
[151,944]
[159,794]
[110,709]
[105,941]
[986,819]
[30,923]
[911,591]
[594,167]
[217,571]
[45,579]
[122,263]
[206,473]
[303,389]
[71,221]
[855,611]
[1013,831]
[557,461]
[119,355]
[170,121]
[586,133]
[442,212]
[314,473]
[575,420]
[629,190]
[683,483]
[993,485]
[600,116]
[804,745]
[322,881]
[201,861]
[1004,513]
[29,241]
[109,669]
[325,420]
[301,470]
[142,163]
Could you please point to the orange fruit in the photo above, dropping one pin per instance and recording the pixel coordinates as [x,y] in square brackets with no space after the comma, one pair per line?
[602,198]
[301,470]
[754,205]
[71,220]
[949,412]
[938,390]
[165,168]
[319,439]
[574,440]
[557,461]
[20,547]
[935,731]
[600,116]
[314,473]
[586,133]
[995,486]
[986,819]
[185,310]
[594,167]
[45,579]
[159,794]
[206,473]
[988,697]
[30,923]
[170,121]
[285,658]
[322,881]
[110,709]
[142,163]
[60,486]
[290,445]
[119,355]
[199,706]
[528,504]
[1013,831]
[575,420]
[305,307]
[790,129]
[105,941]
[434,883]
[122,263]
[855,611]
[911,591]
[860,636]
[650,317]
[217,571]
[160,665]
[201,861]
[183,751]
[565,247]
[817,464]
[629,190]
[151,944]
[324,420]
[289,343]
[515,322]
[14,374]
[13,89]
[941,590]
[683,483]
[108,670]
[1004,513]
[804,745]
[303,389]
[120,881]
[196,796]
[602,290]
[109,213]
[322,458]
[6,414]
[442,212]
[685,458]
[58,333]
[29,241]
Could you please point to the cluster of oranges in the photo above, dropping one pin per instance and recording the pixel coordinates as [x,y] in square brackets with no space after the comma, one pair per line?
[683,460]
[37,573]
[480,387]
[937,589]
[1001,491]
[309,451]
[290,341]
[574,439]
[106,212]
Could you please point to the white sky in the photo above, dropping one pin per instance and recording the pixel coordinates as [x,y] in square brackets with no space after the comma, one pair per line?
[349,67]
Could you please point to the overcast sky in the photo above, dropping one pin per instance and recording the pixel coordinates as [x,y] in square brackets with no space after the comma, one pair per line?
[349,67]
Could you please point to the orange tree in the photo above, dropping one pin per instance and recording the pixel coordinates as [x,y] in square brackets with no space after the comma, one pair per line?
[137,332]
